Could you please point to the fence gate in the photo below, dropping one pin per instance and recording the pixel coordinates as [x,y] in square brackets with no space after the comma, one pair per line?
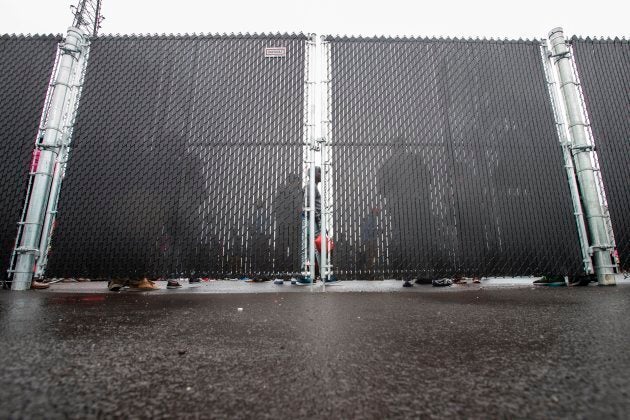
[446,160]
[190,155]
[186,160]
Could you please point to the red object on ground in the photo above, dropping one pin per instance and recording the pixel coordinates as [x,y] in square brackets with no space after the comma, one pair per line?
[318,243]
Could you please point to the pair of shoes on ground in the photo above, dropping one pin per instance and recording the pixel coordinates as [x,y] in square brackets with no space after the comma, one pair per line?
[464,280]
[174,284]
[550,281]
[305,280]
[145,285]
[558,281]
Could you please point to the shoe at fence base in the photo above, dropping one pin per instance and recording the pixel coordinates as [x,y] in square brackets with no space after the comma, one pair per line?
[173,284]
[459,280]
[303,281]
[144,285]
[115,285]
[423,280]
[583,280]
[38,285]
[407,283]
[442,282]
[550,281]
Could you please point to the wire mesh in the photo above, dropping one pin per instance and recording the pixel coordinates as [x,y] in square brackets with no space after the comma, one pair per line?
[186,159]
[25,70]
[446,161]
[604,70]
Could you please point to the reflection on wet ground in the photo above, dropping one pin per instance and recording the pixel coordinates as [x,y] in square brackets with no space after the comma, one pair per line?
[469,352]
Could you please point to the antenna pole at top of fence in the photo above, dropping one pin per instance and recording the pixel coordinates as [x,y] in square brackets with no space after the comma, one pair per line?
[49,147]
[600,243]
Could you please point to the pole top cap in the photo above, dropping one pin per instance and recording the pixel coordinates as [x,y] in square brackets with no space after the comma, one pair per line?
[555,32]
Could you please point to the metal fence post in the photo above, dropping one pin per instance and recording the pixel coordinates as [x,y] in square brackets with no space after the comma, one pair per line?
[600,244]
[310,142]
[49,147]
[325,151]
[569,166]
[60,164]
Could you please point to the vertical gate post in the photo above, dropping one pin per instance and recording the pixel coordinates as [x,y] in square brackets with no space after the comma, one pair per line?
[49,146]
[569,166]
[308,231]
[324,140]
[600,244]
[62,157]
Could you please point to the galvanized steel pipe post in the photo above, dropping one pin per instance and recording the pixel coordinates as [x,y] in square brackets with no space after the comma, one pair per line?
[600,243]
[323,251]
[312,155]
[28,248]
[569,166]
[60,165]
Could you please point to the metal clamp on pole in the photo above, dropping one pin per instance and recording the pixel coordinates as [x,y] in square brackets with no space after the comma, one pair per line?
[584,148]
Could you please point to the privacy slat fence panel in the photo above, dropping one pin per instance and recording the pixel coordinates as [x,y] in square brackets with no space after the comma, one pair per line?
[446,161]
[186,160]
[26,64]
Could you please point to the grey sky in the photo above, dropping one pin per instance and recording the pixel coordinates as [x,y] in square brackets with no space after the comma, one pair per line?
[483,18]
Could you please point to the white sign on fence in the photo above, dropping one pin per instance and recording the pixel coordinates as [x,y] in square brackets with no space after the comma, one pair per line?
[275,51]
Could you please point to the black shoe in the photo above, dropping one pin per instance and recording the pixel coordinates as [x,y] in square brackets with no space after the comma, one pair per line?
[194,281]
[423,280]
[551,281]
[581,280]
[173,284]
[407,283]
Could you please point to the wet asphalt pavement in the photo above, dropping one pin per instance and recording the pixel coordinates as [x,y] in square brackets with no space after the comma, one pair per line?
[467,353]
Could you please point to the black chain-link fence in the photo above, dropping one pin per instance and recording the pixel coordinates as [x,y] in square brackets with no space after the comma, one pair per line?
[26,64]
[604,71]
[186,160]
[446,161]
[188,151]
